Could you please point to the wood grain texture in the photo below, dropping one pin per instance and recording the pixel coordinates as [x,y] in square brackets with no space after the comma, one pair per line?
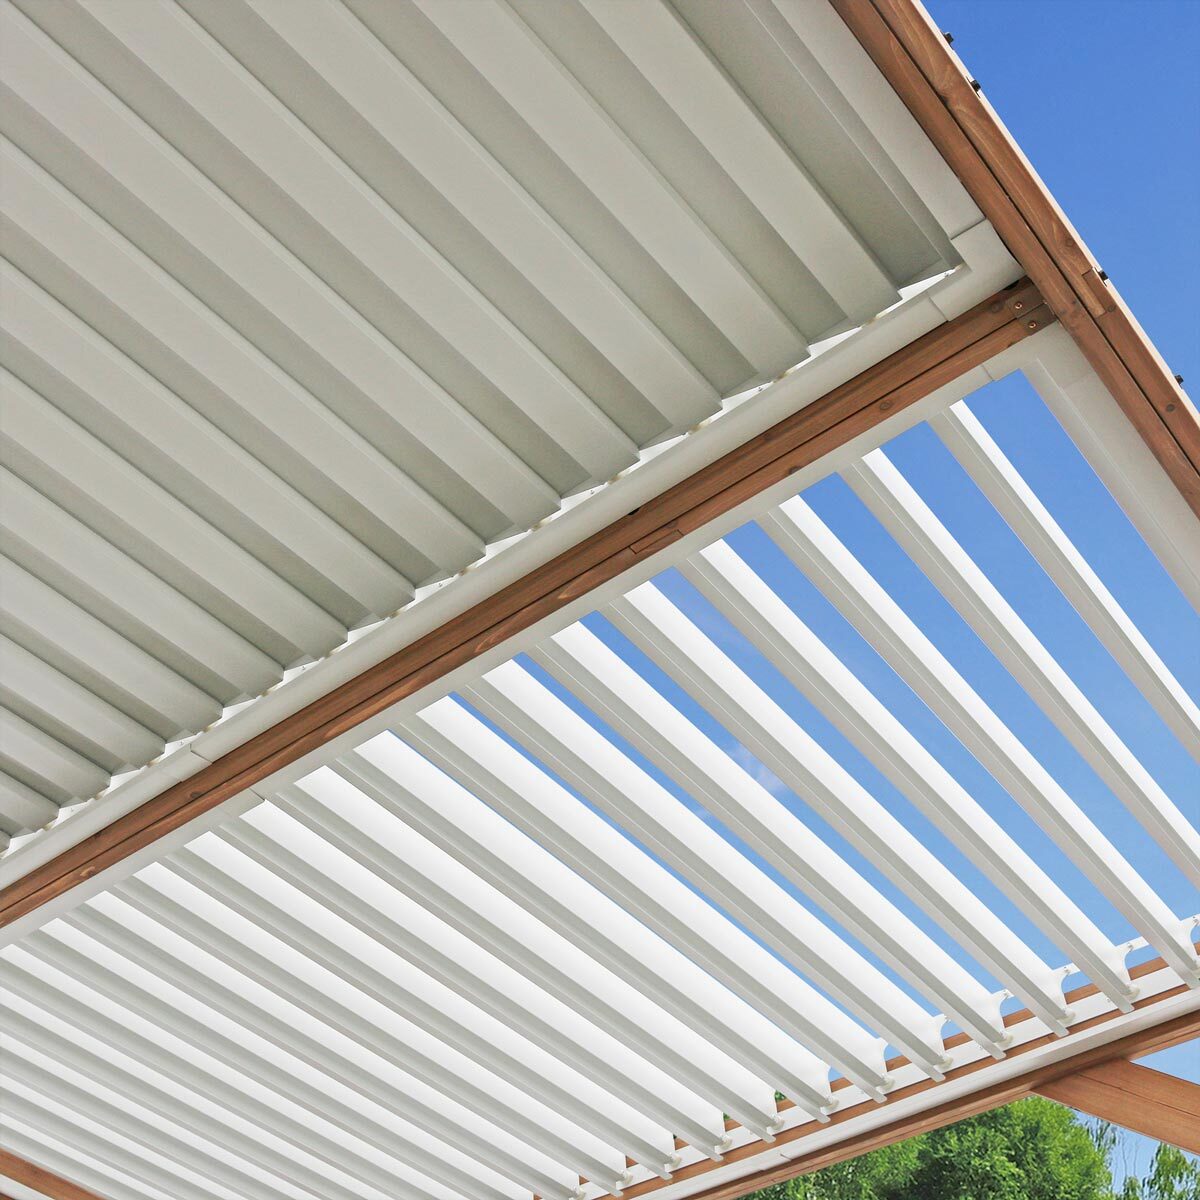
[913,56]
[42,1180]
[1135,1097]
[869,399]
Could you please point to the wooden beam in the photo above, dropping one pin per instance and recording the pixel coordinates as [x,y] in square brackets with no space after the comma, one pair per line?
[42,1180]
[1146,1041]
[857,406]
[1136,1097]
[914,57]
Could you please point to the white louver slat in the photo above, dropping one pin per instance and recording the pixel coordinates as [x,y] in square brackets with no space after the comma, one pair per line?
[310,307]
[633,799]
[611,688]
[485,843]
[898,754]
[1012,497]
[893,499]
[801,533]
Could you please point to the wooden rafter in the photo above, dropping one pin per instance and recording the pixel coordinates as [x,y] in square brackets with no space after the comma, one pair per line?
[22,1171]
[862,403]
[1136,1097]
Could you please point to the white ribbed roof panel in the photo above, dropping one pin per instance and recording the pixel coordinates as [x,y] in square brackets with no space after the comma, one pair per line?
[307,305]
[685,869]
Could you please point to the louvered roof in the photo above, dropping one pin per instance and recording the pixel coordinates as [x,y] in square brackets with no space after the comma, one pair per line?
[652,903]
[325,322]
[306,306]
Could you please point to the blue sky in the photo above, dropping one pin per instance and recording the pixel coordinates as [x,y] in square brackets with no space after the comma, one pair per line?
[1104,97]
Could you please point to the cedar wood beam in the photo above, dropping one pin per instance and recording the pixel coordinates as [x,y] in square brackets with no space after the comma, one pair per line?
[1139,1098]
[41,1180]
[865,401]
[915,59]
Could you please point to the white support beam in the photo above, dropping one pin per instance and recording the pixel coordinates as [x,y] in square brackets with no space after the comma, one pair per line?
[1093,420]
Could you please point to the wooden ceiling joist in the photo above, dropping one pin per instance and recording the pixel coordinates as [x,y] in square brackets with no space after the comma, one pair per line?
[21,1170]
[1149,1102]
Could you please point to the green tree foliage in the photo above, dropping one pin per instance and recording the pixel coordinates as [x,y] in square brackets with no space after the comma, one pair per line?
[1173,1176]
[1031,1150]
